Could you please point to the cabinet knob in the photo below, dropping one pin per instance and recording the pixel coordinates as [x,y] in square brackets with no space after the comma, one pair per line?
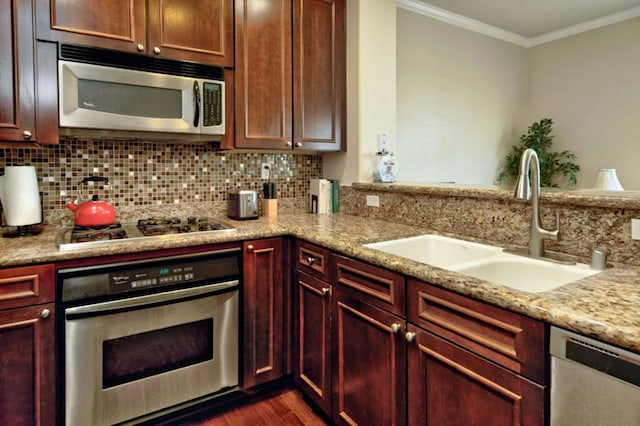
[311,260]
[395,327]
[325,291]
[26,134]
[45,313]
[289,144]
[140,47]
[250,247]
[156,50]
[410,336]
[298,144]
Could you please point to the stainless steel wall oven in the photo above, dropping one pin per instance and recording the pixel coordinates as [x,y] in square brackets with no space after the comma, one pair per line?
[142,338]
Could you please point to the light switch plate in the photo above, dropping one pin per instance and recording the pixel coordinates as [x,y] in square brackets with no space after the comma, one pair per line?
[635,229]
[373,201]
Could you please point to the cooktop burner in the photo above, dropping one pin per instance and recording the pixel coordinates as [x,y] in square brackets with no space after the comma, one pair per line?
[73,237]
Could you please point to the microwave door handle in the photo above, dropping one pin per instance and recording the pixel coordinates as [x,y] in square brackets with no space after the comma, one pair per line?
[196,115]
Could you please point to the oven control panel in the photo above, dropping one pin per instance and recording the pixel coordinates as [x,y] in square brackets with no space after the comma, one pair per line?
[106,280]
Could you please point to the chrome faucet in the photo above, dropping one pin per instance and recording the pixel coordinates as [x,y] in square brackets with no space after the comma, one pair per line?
[529,189]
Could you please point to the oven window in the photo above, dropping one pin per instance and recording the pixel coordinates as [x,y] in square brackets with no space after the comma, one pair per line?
[139,101]
[135,357]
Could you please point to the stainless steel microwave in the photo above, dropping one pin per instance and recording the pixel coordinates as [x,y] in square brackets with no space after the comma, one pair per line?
[107,91]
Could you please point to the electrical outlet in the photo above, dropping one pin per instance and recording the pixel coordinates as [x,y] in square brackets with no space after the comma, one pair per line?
[265,170]
[383,141]
[373,201]
[635,229]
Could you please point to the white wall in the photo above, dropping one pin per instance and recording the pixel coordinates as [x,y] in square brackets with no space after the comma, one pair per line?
[460,100]
[590,85]
[371,88]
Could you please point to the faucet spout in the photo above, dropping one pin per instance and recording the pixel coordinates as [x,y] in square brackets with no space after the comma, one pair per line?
[528,188]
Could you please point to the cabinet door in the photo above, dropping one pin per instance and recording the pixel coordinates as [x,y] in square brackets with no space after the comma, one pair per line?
[263,311]
[263,74]
[451,386]
[319,58]
[17,85]
[369,369]
[192,30]
[114,24]
[27,366]
[312,339]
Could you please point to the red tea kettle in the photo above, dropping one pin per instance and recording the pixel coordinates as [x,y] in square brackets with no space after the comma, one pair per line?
[92,213]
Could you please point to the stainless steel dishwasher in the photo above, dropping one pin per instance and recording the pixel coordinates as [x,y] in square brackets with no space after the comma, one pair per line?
[592,383]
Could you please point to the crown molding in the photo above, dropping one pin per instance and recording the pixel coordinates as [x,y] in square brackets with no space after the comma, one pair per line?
[495,32]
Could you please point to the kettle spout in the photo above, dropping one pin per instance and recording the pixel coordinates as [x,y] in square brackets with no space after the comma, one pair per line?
[72,206]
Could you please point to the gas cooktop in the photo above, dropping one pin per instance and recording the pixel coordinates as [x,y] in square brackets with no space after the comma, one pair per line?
[74,237]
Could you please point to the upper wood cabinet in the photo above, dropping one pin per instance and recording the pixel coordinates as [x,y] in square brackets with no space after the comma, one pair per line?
[28,89]
[290,74]
[191,30]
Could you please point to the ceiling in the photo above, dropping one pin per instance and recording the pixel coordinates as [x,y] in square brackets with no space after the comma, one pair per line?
[533,18]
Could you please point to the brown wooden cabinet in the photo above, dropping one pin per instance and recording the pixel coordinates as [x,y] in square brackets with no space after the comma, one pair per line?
[28,89]
[27,355]
[263,311]
[450,385]
[191,30]
[290,74]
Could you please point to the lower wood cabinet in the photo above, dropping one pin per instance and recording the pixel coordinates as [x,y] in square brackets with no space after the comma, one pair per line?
[263,311]
[312,339]
[27,348]
[450,385]
[369,368]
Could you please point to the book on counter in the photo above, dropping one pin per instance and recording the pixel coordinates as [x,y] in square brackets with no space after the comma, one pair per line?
[324,195]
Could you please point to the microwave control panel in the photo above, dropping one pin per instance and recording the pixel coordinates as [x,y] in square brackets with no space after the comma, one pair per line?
[212,104]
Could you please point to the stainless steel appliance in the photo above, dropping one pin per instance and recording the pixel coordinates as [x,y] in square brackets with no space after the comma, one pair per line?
[77,237]
[116,93]
[592,383]
[242,204]
[142,338]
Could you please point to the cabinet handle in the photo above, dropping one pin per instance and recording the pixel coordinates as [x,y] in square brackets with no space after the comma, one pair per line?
[26,134]
[311,260]
[45,313]
[140,47]
[395,327]
[156,50]
[409,336]
[298,144]
[250,248]
[325,291]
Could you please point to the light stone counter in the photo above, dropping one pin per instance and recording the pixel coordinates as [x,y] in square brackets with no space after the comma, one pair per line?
[605,306]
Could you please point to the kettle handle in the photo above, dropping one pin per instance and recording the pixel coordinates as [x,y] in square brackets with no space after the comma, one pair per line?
[94,179]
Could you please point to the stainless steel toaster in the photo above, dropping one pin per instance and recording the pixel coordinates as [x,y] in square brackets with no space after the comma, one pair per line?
[242,204]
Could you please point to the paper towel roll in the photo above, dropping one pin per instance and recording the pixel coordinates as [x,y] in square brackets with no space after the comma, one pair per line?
[20,196]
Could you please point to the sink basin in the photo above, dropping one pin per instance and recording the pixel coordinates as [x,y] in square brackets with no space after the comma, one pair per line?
[436,250]
[485,262]
[525,274]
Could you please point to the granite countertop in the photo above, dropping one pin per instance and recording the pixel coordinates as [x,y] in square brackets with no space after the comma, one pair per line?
[605,306]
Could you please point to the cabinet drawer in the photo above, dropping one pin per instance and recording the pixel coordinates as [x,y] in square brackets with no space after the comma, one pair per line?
[509,339]
[373,285]
[25,286]
[313,260]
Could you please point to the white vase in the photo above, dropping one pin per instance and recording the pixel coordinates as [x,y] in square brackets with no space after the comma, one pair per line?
[608,181]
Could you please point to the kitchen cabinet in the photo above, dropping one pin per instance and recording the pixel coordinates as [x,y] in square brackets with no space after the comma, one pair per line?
[28,88]
[290,74]
[472,362]
[189,30]
[27,358]
[263,311]
[312,324]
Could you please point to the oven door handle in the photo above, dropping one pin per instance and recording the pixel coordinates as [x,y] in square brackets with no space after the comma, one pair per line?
[172,296]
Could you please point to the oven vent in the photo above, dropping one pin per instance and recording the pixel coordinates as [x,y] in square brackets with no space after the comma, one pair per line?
[71,52]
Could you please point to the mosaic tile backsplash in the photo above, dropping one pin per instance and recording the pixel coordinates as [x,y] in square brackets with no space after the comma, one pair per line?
[155,174]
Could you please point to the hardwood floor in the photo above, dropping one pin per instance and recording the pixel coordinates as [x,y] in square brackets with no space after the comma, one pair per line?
[286,407]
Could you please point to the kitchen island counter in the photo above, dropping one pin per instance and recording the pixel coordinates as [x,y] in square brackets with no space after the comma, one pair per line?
[605,306]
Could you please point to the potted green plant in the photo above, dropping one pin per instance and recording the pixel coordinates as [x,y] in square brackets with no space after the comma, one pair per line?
[553,164]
